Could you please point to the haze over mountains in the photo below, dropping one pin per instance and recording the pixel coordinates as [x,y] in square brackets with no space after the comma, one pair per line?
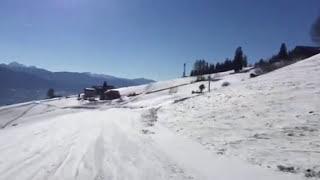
[20,83]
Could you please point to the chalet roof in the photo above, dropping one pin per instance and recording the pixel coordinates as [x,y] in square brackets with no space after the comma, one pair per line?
[309,48]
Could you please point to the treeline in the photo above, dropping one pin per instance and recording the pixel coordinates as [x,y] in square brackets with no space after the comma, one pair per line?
[283,58]
[202,67]
[240,60]
[283,55]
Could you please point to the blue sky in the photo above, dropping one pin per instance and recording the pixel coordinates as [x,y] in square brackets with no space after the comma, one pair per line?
[147,38]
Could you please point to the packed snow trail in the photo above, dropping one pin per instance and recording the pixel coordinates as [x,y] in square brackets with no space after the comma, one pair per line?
[88,145]
[110,145]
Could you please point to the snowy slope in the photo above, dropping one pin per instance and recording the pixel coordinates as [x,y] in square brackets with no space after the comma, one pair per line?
[243,131]
[270,120]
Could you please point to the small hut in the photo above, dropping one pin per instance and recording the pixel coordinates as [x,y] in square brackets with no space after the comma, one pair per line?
[89,93]
[110,95]
[100,90]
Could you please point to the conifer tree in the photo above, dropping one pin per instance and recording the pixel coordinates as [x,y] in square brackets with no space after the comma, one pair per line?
[283,53]
[315,31]
[238,60]
[50,93]
[105,85]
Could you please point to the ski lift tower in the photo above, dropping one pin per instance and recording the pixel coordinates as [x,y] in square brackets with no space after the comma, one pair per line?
[184,70]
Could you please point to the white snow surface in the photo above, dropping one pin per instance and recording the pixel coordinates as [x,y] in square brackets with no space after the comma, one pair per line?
[241,131]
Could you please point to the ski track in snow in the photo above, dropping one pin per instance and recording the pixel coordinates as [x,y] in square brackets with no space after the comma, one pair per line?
[242,131]
[78,146]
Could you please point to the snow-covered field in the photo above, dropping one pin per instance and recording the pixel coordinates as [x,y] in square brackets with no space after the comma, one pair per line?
[241,131]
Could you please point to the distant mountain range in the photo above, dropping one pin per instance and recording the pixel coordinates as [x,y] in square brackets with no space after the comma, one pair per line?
[20,83]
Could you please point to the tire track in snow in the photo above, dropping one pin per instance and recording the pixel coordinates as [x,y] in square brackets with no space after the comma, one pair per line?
[42,153]
[19,116]
[38,157]
[99,156]
[55,168]
[62,162]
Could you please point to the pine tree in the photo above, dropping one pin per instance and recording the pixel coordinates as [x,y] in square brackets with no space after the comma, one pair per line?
[238,60]
[315,31]
[200,67]
[192,73]
[105,85]
[211,68]
[218,68]
[228,65]
[50,93]
[283,53]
